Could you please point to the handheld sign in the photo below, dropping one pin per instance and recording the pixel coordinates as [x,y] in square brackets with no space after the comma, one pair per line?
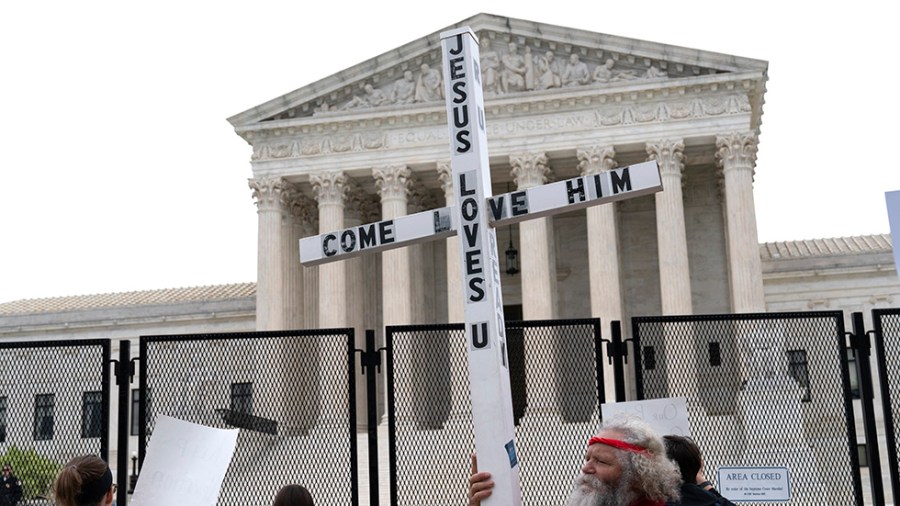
[489,389]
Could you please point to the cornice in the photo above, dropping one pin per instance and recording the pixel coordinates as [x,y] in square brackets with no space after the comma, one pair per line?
[560,99]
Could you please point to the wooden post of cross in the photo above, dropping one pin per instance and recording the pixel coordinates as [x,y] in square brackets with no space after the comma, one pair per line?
[474,220]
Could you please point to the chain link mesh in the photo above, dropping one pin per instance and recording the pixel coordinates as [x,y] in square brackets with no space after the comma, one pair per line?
[287,392]
[887,326]
[554,383]
[762,390]
[49,411]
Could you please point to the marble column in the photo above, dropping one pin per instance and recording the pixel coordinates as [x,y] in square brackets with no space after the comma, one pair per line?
[301,217]
[455,308]
[460,404]
[355,213]
[269,276]
[538,275]
[421,258]
[393,187]
[736,154]
[603,254]
[538,260]
[300,393]
[330,189]
[674,271]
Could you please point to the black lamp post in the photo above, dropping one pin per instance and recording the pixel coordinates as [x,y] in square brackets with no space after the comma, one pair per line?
[512,257]
[133,480]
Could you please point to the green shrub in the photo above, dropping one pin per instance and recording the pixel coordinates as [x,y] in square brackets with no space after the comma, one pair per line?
[35,471]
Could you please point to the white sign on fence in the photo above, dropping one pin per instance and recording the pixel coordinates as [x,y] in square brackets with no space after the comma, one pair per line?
[666,416]
[755,483]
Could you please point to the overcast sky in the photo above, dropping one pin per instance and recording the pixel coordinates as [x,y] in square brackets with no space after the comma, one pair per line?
[120,171]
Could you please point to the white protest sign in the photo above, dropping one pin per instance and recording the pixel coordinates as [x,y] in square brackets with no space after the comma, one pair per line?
[893,209]
[665,416]
[755,483]
[185,464]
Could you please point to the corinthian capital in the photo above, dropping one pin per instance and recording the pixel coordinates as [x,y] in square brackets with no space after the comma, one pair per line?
[736,150]
[303,209]
[329,187]
[266,191]
[596,159]
[392,181]
[445,175]
[530,169]
[669,154]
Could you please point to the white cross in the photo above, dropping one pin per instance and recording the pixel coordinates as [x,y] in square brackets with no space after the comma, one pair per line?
[474,220]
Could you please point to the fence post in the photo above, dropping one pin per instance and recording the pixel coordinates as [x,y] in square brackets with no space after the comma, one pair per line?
[124,371]
[859,341]
[371,361]
[617,351]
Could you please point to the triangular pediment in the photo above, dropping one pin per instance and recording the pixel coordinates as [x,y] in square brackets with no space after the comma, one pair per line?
[517,57]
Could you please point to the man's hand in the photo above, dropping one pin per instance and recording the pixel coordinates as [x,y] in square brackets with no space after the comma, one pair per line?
[480,484]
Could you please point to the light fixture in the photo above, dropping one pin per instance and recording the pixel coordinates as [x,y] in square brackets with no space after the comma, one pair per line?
[512,254]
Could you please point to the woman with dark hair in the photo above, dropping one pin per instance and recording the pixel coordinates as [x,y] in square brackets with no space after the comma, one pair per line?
[84,481]
[695,489]
[293,495]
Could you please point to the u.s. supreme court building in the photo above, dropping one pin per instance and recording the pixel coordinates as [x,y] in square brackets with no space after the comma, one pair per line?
[371,143]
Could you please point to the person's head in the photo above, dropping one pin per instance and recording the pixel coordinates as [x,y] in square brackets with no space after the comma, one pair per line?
[686,454]
[624,462]
[293,495]
[84,481]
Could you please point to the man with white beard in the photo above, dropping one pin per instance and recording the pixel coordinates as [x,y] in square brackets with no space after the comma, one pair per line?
[625,465]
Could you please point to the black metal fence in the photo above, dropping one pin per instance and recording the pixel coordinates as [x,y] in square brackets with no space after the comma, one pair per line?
[54,405]
[290,392]
[762,390]
[887,333]
[557,387]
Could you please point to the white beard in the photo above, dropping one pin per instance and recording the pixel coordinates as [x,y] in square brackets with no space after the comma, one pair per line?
[588,490]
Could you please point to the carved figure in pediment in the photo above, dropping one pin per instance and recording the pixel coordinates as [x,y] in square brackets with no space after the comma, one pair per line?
[529,69]
[323,107]
[373,97]
[547,70]
[404,91]
[576,72]
[655,72]
[429,84]
[512,76]
[490,73]
[605,73]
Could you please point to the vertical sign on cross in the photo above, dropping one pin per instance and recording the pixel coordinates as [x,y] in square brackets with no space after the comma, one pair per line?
[489,388]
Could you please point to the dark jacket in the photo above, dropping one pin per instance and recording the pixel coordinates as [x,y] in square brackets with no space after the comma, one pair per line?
[10,490]
[693,495]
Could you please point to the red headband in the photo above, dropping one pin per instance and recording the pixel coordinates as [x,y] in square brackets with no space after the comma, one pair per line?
[622,445]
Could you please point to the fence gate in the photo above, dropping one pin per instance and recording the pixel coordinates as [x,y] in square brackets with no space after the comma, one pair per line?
[290,392]
[54,405]
[557,387]
[887,349]
[762,390]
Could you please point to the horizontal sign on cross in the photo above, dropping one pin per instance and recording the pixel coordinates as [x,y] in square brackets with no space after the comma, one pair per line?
[506,208]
